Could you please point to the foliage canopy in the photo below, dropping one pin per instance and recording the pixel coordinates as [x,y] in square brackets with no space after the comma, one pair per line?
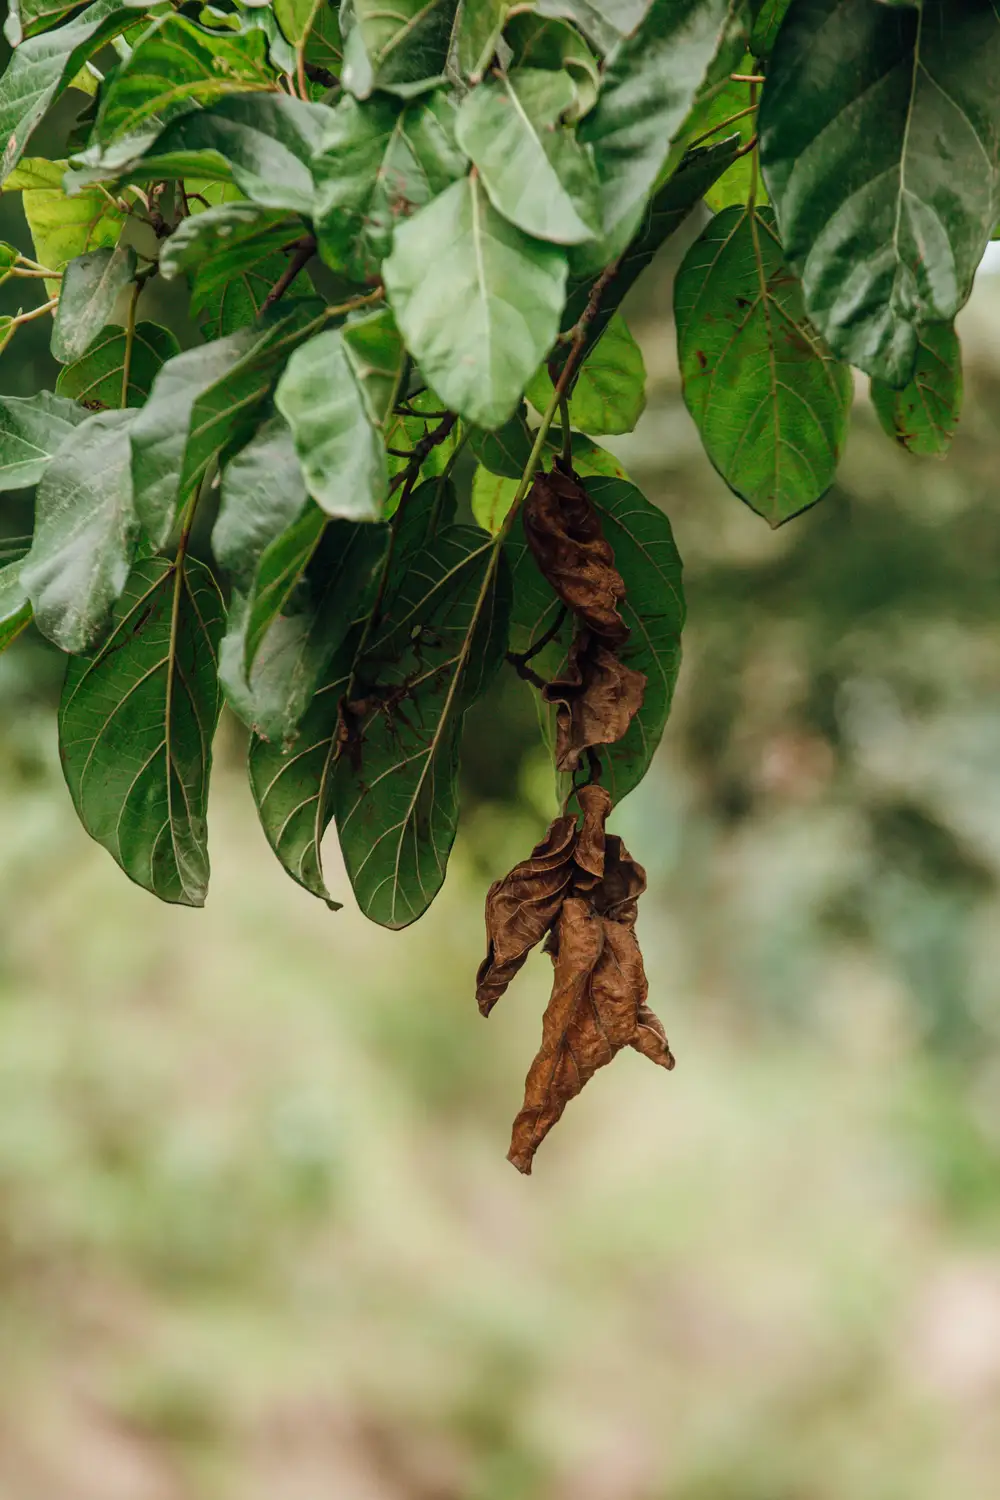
[406,235]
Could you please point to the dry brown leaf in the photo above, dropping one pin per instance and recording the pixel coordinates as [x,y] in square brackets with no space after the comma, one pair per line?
[597,698]
[598,1005]
[622,883]
[589,853]
[521,908]
[563,530]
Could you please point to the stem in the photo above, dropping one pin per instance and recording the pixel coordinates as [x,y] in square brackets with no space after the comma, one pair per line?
[36,312]
[747,78]
[740,114]
[129,341]
[304,252]
[755,155]
[567,436]
[300,69]
[420,451]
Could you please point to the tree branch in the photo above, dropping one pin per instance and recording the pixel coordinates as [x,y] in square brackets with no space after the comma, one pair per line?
[305,249]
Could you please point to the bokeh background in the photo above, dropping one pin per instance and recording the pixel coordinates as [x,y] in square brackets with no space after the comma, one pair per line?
[258,1239]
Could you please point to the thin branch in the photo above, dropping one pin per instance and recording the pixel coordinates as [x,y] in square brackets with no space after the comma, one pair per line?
[129,342]
[304,251]
[420,451]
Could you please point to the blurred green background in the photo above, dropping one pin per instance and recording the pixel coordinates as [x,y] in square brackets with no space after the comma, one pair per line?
[258,1239]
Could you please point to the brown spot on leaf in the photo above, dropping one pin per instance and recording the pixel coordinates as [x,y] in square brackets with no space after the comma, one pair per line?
[563,530]
[597,698]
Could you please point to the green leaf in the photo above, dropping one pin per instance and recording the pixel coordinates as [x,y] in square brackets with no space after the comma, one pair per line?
[923,416]
[664,214]
[44,66]
[531,165]
[305,600]
[262,142]
[337,395]
[262,494]
[61,227]
[650,85]
[98,377]
[296,17]
[379,163]
[397,48]
[32,428]
[90,289]
[491,499]
[203,401]
[234,254]
[15,611]
[546,42]
[28,17]
[653,609]
[396,784]
[609,393]
[478,29]
[324,45]
[85,533]
[176,66]
[477,301]
[770,401]
[605,22]
[768,16]
[136,724]
[505,451]
[888,238]
[714,111]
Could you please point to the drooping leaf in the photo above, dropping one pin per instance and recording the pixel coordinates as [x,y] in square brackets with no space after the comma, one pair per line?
[888,238]
[136,724]
[32,428]
[477,301]
[90,288]
[202,401]
[85,533]
[547,42]
[175,66]
[609,393]
[650,84]
[533,169]
[399,49]
[336,395]
[923,416]
[98,378]
[63,228]
[770,401]
[262,142]
[379,163]
[44,66]
[395,785]
[652,607]
[234,254]
[521,908]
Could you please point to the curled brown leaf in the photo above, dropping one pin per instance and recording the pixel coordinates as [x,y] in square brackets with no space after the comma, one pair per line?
[597,698]
[598,1005]
[563,530]
[521,908]
[595,804]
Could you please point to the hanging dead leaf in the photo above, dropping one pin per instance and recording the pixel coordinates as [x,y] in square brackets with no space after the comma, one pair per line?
[622,883]
[563,531]
[595,804]
[598,1005]
[597,698]
[521,908]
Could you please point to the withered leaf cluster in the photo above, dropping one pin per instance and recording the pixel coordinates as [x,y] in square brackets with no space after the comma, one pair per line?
[579,890]
[597,695]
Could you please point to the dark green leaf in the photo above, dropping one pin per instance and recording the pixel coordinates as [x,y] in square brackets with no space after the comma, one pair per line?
[768,16]
[396,782]
[650,84]
[85,533]
[324,45]
[90,289]
[234,254]
[262,142]
[337,395]
[923,416]
[531,165]
[609,393]
[477,301]
[203,401]
[379,163]
[505,451]
[31,430]
[262,494]
[398,48]
[42,69]
[885,238]
[175,66]
[136,724]
[98,378]
[770,401]
[653,609]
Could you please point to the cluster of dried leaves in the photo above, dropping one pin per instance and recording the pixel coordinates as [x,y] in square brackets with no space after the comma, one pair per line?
[579,888]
